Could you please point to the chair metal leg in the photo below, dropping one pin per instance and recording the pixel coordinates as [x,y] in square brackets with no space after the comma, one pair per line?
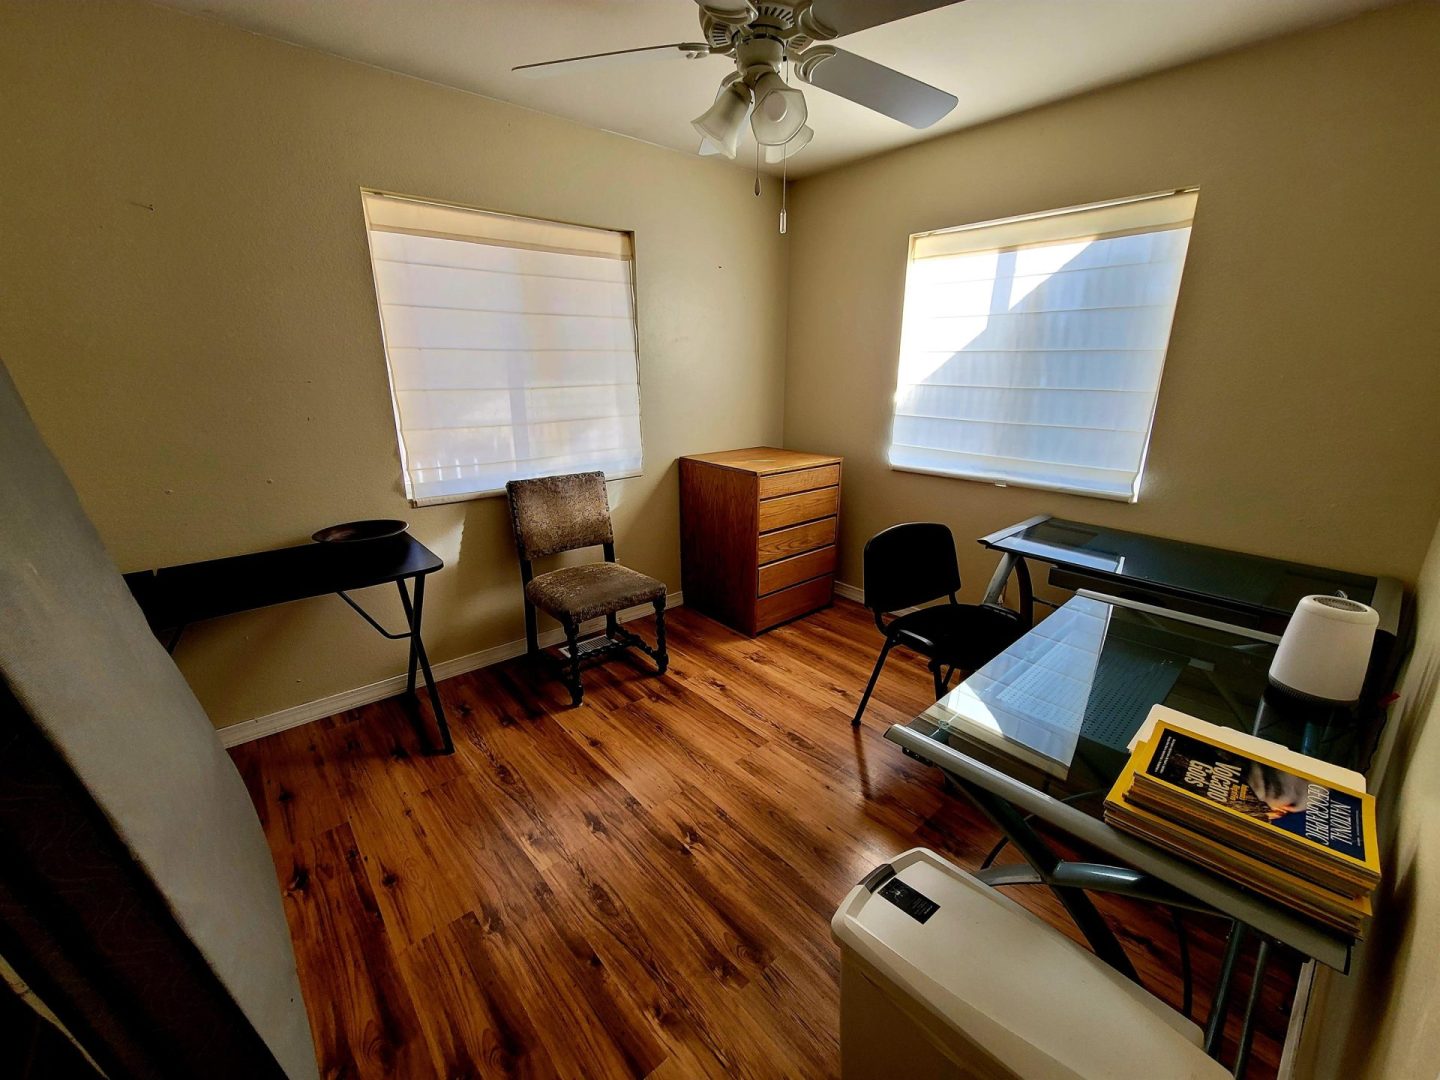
[935,666]
[662,657]
[874,677]
[572,676]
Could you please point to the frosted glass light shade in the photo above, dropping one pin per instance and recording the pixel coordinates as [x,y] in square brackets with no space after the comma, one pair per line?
[780,110]
[720,125]
[1325,650]
[790,149]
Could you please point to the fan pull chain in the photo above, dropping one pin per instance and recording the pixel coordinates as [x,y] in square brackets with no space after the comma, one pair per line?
[784,164]
[784,185]
[757,169]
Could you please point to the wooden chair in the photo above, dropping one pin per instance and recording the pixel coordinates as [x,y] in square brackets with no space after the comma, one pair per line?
[554,514]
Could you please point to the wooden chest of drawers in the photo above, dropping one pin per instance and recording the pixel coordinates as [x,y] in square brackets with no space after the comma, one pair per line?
[757,534]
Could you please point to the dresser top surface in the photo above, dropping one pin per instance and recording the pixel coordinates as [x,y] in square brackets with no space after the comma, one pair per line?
[763,460]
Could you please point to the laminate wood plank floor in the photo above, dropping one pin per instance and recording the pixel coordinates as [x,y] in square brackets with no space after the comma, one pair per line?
[638,887]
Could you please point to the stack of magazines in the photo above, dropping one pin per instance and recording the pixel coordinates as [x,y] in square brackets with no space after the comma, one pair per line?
[1271,825]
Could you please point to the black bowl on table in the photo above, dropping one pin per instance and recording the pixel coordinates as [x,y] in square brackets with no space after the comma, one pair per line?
[369,530]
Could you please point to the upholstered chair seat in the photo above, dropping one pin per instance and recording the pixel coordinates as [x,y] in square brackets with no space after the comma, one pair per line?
[592,590]
[555,514]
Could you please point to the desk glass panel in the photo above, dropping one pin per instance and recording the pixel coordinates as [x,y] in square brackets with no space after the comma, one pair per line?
[1229,578]
[1059,707]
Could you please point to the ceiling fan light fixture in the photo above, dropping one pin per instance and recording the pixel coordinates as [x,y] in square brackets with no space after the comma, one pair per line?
[780,110]
[720,125]
[800,140]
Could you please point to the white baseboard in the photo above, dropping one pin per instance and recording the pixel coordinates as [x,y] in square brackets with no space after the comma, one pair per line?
[250,730]
[850,592]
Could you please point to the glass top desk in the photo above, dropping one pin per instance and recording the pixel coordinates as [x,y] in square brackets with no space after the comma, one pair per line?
[1229,586]
[1043,730]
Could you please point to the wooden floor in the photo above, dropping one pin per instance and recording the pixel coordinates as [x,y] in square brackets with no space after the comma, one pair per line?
[638,887]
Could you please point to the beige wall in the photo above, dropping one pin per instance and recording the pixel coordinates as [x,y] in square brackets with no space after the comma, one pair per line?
[1383,1021]
[188,312]
[1297,412]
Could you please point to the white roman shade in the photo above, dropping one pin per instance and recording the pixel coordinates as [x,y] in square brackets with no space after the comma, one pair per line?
[511,345]
[1032,348]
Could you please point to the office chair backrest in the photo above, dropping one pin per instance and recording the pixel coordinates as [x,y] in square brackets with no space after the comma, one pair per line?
[910,564]
[552,514]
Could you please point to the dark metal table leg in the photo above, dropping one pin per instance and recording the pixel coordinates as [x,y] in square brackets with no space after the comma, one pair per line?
[1247,1024]
[414,654]
[1035,852]
[414,614]
[1219,1005]
[1026,590]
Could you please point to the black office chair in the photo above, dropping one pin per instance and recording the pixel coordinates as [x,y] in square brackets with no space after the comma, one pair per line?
[915,563]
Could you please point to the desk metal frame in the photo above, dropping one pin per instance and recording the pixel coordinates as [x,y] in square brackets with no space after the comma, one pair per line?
[1388,598]
[1148,874]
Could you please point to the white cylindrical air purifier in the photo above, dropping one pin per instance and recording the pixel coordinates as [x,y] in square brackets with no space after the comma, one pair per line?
[1325,650]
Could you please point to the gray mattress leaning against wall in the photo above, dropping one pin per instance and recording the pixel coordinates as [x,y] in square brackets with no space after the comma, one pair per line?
[137,895]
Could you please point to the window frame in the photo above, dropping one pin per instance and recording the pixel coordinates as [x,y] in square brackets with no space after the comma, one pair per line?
[1020,220]
[367,193]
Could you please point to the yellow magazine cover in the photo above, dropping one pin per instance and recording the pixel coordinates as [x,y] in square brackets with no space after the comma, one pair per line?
[1343,913]
[1279,806]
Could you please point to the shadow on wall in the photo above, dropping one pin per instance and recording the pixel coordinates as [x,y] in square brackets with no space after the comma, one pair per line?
[486,573]
[1412,757]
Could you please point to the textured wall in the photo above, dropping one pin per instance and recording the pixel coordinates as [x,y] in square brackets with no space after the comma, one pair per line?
[186,306]
[1383,1020]
[1297,413]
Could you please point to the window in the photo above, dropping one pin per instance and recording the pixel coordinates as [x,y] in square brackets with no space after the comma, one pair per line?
[510,343]
[1031,348]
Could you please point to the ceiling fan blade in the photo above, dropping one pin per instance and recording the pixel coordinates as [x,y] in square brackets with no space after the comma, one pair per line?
[607,59]
[847,16]
[874,85]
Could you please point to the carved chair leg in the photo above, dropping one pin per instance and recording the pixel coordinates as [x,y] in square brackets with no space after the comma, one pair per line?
[662,658]
[572,676]
[532,633]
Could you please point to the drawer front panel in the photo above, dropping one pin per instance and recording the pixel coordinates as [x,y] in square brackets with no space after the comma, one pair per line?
[787,572]
[783,543]
[787,483]
[789,603]
[793,509]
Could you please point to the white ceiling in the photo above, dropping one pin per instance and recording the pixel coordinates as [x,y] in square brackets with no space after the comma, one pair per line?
[997,56]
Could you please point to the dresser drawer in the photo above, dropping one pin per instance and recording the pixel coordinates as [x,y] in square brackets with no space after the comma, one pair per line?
[790,603]
[787,483]
[793,509]
[783,543]
[798,568]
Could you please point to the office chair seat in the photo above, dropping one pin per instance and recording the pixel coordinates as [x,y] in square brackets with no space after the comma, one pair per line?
[594,589]
[961,636]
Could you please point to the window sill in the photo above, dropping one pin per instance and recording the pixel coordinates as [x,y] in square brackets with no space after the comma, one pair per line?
[1033,485]
[475,496]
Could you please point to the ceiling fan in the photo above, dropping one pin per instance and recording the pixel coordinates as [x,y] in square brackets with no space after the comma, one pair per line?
[761,37]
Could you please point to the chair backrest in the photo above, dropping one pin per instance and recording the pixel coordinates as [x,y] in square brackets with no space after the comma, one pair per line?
[910,564]
[552,514]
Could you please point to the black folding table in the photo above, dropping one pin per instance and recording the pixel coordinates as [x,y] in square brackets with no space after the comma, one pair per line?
[176,596]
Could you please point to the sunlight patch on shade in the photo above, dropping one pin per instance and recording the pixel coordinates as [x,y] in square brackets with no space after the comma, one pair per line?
[1034,265]
[921,352]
